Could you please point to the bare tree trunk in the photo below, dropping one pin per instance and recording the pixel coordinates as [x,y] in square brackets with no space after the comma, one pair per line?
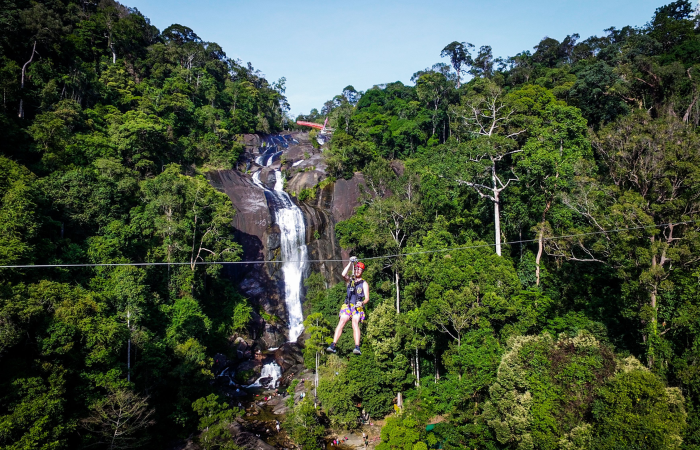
[24,69]
[652,301]
[399,400]
[436,371]
[417,368]
[128,348]
[540,246]
[116,431]
[497,222]
[396,276]
[540,243]
[496,209]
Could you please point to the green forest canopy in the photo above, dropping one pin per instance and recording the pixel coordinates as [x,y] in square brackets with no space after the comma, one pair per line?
[569,338]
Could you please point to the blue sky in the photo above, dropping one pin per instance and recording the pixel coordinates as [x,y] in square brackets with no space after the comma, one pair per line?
[321,47]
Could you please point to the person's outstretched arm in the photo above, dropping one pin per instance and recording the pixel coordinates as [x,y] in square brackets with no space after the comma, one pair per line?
[347,268]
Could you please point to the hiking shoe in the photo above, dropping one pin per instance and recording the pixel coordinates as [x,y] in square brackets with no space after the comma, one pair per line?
[357,351]
[331,349]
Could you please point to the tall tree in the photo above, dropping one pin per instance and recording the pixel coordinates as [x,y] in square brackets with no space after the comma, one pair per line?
[433,87]
[459,54]
[319,332]
[40,25]
[487,116]
[558,146]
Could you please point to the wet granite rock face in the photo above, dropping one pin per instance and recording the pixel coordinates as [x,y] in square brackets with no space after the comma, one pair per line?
[304,180]
[346,197]
[255,231]
[322,244]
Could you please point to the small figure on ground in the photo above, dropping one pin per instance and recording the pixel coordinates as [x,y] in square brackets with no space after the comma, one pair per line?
[356,298]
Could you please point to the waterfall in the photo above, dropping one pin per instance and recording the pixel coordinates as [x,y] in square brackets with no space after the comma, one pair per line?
[290,219]
[271,370]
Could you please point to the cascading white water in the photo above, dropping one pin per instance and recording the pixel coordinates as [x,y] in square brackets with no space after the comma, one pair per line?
[290,219]
[271,370]
[294,254]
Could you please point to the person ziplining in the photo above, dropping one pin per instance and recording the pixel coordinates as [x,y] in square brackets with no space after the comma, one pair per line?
[357,296]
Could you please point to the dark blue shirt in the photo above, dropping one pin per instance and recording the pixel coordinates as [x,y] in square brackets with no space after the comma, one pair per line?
[355,294]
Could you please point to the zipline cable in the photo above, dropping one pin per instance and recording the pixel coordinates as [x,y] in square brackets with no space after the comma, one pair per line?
[199,263]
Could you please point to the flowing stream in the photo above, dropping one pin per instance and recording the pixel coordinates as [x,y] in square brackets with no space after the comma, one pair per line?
[290,219]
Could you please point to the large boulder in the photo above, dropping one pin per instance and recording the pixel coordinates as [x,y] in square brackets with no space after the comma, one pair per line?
[278,405]
[288,355]
[243,347]
[273,336]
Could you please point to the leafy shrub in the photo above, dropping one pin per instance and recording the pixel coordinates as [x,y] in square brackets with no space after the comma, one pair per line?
[326,182]
[636,410]
[402,432]
[307,194]
[544,391]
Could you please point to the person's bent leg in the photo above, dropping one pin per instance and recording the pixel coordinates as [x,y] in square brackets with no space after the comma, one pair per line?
[339,329]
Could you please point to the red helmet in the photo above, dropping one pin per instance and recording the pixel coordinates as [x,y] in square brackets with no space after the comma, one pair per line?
[360,264]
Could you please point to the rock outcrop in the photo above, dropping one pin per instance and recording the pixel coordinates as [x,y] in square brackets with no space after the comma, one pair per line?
[346,197]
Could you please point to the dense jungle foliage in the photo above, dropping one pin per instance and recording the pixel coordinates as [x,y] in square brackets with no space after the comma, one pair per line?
[107,127]
[577,163]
